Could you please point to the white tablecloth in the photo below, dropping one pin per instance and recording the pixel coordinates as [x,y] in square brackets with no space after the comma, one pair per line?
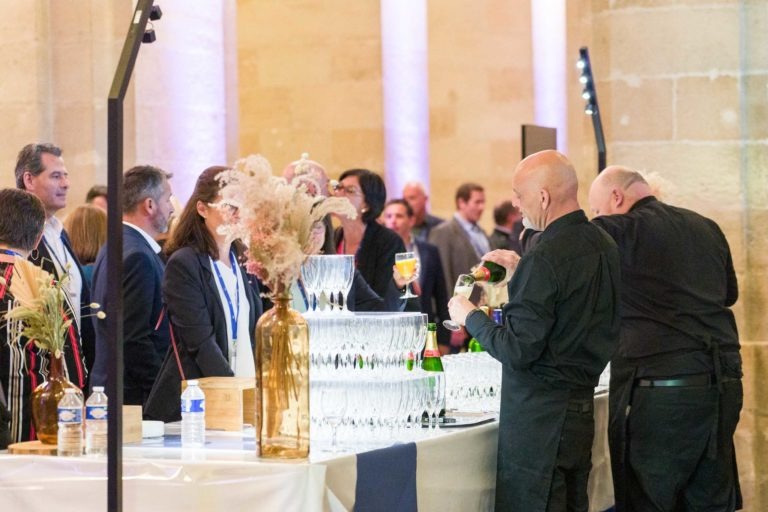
[455,472]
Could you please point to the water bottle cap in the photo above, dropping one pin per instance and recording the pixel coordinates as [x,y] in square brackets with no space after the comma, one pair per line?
[98,389]
[192,382]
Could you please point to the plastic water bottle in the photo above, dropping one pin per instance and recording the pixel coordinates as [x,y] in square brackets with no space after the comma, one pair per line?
[192,416]
[70,413]
[96,423]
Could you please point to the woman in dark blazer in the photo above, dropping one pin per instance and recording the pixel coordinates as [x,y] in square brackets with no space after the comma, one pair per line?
[202,321]
[373,245]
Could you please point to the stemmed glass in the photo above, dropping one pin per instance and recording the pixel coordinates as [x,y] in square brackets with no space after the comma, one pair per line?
[464,285]
[406,265]
[333,402]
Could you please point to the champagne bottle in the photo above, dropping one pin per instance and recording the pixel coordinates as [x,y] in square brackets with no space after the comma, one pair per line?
[474,345]
[490,272]
[433,363]
[409,362]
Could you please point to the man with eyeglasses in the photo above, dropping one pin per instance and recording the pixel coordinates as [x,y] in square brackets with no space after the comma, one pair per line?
[40,170]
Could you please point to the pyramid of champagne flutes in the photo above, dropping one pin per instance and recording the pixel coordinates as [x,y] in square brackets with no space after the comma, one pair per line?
[363,389]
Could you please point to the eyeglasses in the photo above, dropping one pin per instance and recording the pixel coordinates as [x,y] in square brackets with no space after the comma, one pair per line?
[350,190]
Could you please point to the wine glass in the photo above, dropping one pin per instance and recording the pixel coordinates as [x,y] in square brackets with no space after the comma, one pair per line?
[406,265]
[333,402]
[464,285]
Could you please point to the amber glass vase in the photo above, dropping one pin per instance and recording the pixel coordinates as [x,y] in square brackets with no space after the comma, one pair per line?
[282,373]
[45,400]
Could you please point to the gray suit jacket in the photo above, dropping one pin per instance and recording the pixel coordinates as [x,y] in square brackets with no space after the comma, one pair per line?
[456,253]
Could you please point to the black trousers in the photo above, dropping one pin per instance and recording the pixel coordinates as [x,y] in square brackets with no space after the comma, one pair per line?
[574,462]
[663,459]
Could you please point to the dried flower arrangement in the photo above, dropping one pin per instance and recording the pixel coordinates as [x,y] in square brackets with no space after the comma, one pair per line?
[275,219]
[40,305]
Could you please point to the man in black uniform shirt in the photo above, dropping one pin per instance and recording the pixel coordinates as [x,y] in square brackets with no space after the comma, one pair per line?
[562,326]
[675,391]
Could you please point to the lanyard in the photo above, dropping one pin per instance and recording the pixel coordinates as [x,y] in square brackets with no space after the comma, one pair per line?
[62,267]
[10,252]
[233,316]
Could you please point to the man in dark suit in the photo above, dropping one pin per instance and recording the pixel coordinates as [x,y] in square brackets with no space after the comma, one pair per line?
[460,241]
[430,287]
[147,209]
[509,225]
[40,170]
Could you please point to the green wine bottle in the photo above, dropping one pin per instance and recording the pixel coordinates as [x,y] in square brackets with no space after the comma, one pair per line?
[432,362]
[475,346]
[490,272]
[410,360]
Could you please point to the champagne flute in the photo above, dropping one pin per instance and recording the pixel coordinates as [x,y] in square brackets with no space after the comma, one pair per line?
[333,402]
[406,265]
[464,285]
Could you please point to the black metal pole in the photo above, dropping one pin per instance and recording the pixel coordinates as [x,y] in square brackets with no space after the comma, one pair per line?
[114,305]
[593,109]
[597,124]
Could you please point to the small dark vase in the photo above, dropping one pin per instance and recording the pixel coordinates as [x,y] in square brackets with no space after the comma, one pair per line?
[45,400]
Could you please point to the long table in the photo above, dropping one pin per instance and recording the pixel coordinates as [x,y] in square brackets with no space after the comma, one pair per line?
[455,471]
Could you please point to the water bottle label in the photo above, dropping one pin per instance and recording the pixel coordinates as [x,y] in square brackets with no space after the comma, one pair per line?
[197,405]
[70,415]
[95,412]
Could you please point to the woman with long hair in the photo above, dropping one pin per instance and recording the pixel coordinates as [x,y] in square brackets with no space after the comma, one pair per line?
[212,303]
[86,226]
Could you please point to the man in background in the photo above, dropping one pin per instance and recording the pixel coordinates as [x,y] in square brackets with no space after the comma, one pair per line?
[40,170]
[509,225]
[97,196]
[562,325]
[430,286]
[147,209]
[460,241]
[675,390]
[415,195]
[22,368]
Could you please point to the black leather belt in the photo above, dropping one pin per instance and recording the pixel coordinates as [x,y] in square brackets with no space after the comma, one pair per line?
[702,379]
[582,406]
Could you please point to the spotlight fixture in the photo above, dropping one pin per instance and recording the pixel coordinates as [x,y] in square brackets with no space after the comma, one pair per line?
[589,94]
[156,13]
[149,34]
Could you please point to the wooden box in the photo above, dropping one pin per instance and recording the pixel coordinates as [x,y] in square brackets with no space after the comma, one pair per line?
[230,402]
[131,424]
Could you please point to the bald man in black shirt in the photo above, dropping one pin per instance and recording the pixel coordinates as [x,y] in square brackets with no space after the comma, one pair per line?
[675,391]
[562,326]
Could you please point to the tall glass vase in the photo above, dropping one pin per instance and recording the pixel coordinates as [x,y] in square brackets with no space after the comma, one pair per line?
[45,400]
[282,373]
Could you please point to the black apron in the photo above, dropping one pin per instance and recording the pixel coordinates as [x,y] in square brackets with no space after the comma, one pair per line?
[530,427]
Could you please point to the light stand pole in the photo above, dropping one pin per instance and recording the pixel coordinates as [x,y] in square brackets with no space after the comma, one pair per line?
[114,305]
[591,108]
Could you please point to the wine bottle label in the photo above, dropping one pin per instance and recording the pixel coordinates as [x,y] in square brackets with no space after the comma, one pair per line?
[431,353]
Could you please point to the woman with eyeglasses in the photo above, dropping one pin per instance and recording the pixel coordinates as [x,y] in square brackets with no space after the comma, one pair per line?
[373,245]
[211,302]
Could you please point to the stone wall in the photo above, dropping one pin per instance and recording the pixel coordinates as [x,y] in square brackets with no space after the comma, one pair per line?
[683,93]
[480,92]
[57,60]
[309,78]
